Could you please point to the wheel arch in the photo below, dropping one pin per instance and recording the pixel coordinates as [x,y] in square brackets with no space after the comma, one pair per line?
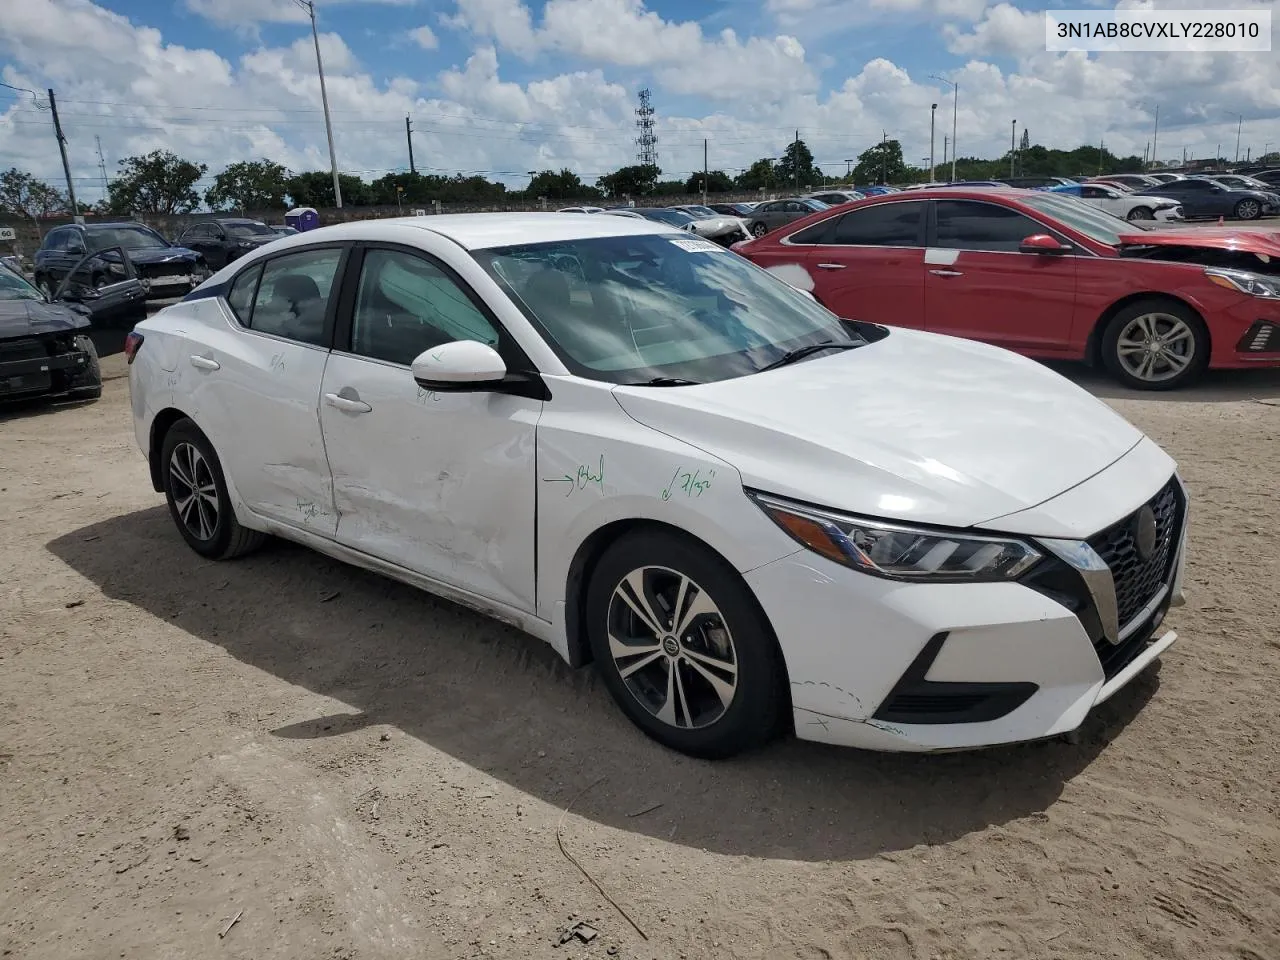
[161,424]
[1093,347]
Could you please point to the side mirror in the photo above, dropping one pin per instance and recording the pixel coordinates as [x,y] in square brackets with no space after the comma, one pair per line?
[1042,243]
[459,366]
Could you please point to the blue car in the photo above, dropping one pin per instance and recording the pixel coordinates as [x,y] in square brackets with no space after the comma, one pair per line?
[876,190]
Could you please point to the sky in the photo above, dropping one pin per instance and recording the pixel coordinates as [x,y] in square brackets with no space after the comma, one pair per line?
[504,87]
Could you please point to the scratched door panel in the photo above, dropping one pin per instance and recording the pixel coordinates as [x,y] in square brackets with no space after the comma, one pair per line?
[441,483]
[278,468]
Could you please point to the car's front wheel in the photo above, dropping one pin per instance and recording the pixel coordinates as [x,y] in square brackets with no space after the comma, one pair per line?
[758,230]
[1141,213]
[683,646]
[197,495]
[1248,210]
[1156,344]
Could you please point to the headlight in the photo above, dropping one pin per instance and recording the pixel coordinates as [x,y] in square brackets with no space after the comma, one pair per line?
[1244,282]
[897,551]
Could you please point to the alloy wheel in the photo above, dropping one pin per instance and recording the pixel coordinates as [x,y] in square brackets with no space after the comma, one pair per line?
[1154,347]
[672,647]
[195,494]
[1141,213]
[1248,209]
[759,230]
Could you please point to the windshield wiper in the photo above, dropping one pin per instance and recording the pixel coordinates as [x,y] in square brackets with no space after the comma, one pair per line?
[791,356]
[664,382]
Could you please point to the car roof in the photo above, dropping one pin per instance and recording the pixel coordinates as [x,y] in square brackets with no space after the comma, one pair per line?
[112,225]
[478,231]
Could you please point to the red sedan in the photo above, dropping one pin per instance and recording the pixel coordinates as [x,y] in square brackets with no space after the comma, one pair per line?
[1044,275]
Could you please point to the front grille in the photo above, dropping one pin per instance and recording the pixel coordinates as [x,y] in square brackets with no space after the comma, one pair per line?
[176,268]
[1138,581]
[23,348]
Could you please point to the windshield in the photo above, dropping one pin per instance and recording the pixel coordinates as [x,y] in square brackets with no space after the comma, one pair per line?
[1092,222]
[14,287]
[249,230]
[813,204]
[131,238]
[676,218]
[632,309]
[698,210]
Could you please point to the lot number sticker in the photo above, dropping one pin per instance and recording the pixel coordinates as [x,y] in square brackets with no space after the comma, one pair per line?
[697,246]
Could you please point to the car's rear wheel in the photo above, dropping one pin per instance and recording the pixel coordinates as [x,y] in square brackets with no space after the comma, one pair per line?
[682,645]
[1248,210]
[758,230]
[1156,344]
[1141,213]
[197,495]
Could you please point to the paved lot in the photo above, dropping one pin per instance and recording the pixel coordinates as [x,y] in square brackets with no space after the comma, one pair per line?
[357,770]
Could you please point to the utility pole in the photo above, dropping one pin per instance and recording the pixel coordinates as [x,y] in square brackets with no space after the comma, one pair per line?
[884,158]
[705,174]
[102,168]
[795,161]
[945,140]
[1100,154]
[408,135]
[1239,124]
[1013,144]
[66,167]
[933,112]
[1155,136]
[955,112]
[310,7]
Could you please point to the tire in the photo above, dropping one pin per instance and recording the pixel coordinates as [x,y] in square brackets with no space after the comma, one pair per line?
[1140,213]
[1180,333]
[730,638]
[92,376]
[221,536]
[1248,210]
[758,230]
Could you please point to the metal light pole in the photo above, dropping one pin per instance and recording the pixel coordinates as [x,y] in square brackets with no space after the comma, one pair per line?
[310,7]
[955,110]
[933,111]
[1013,143]
[1239,124]
[1155,136]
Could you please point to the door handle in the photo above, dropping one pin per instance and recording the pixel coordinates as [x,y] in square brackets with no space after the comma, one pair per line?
[947,273]
[346,404]
[204,363]
[831,266]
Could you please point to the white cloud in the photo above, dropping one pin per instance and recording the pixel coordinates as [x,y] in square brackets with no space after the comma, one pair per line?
[424,37]
[242,13]
[1004,30]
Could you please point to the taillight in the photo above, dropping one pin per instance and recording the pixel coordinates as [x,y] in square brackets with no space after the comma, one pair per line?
[131,344]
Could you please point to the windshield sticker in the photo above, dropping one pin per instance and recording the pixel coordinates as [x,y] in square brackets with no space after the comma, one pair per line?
[697,246]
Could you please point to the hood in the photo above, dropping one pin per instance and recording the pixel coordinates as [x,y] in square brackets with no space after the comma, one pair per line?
[1263,243]
[915,427]
[27,318]
[164,255]
[715,226]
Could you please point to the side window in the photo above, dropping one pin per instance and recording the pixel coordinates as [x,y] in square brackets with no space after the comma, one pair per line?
[405,304]
[293,296]
[240,296]
[55,240]
[1193,185]
[968,225]
[1094,193]
[818,233]
[884,225]
[198,232]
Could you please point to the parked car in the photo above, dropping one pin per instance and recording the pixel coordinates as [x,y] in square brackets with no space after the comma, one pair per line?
[581,210]
[875,190]
[651,454]
[1134,181]
[1237,182]
[1129,206]
[739,209]
[1166,177]
[1035,183]
[724,230]
[166,270]
[45,350]
[773,214]
[1270,177]
[833,198]
[1116,185]
[1201,197]
[1046,276]
[282,229]
[223,239]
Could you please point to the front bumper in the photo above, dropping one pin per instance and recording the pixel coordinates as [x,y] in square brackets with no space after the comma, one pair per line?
[886,665]
[43,366]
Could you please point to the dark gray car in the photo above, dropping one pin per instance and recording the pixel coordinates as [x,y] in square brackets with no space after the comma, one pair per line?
[225,239]
[1208,198]
[45,348]
[776,213]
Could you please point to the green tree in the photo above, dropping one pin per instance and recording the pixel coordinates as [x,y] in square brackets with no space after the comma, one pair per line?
[881,163]
[717,182]
[22,195]
[761,175]
[564,185]
[249,185]
[668,188]
[636,180]
[157,182]
[795,171]
[315,189]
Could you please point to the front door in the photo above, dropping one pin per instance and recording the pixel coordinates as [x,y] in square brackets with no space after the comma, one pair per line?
[440,483]
[978,285]
[869,263]
[256,383]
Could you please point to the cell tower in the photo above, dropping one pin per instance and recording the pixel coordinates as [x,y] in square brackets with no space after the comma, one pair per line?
[647,141]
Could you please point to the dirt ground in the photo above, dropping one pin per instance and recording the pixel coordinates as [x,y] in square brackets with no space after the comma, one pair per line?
[354,769]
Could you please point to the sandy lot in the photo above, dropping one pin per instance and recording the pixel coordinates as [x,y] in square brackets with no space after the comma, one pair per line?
[356,770]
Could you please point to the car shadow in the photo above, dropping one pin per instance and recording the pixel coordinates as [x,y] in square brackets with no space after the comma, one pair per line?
[504,703]
[1217,386]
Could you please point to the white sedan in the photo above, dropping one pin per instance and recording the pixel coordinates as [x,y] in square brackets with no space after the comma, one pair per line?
[650,453]
[1127,206]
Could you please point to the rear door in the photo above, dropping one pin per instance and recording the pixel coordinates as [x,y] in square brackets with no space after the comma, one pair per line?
[1197,196]
[868,264]
[979,285]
